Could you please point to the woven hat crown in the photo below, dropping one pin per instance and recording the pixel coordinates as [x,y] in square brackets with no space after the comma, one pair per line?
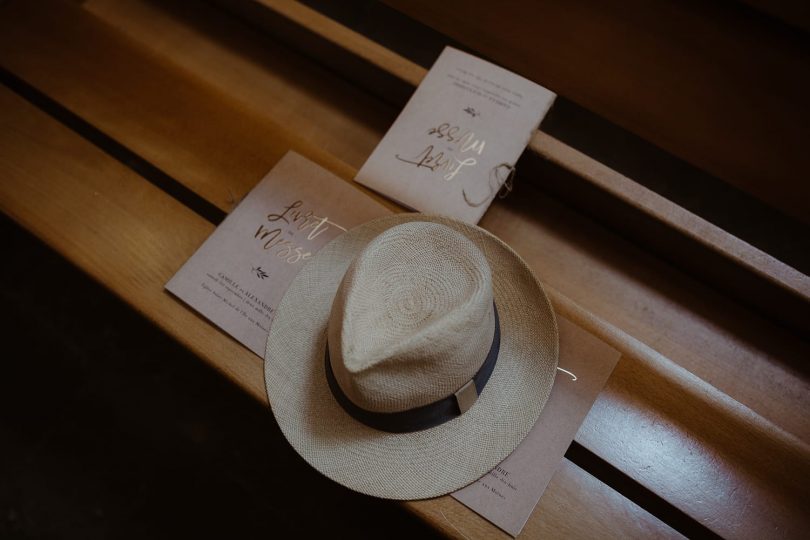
[413,319]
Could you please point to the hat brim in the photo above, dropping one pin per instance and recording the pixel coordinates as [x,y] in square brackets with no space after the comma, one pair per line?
[420,464]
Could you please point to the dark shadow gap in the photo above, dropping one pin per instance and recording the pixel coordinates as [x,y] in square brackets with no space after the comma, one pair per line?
[112,148]
[638,494]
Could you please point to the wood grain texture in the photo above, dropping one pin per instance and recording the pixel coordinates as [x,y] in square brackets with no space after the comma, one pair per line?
[660,424]
[639,426]
[327,112]
[631,300]
[709,82]
[131,237]
[88,74]
[123,231]
[676,217]
[300,14]
[684,321]
[568,516]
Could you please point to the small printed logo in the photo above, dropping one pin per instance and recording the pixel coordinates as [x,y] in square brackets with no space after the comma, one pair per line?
[472,112]
[261,274]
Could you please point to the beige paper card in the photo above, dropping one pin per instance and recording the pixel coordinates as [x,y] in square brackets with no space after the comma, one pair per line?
[507,495]
[456,140]
[240,273]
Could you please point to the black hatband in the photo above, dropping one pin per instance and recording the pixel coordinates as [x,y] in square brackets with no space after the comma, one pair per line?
[425,416]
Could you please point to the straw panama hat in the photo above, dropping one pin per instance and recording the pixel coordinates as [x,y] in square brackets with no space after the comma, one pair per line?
[393,324]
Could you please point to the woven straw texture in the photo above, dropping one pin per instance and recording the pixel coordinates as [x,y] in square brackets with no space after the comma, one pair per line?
[412,320]
[425,463]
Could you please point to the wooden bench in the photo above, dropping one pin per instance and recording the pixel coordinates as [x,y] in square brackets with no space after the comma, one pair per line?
[130,128]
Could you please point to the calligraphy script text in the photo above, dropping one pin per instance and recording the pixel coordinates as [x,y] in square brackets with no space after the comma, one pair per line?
[451,165]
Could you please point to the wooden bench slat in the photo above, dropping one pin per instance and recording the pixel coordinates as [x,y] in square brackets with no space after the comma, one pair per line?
[564,248]
[692,243]
[282,79]
[121,230]
[573,515]
[90,76]
[131,237]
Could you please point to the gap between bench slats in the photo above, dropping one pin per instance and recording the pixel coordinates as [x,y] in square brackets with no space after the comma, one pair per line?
[69,193]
